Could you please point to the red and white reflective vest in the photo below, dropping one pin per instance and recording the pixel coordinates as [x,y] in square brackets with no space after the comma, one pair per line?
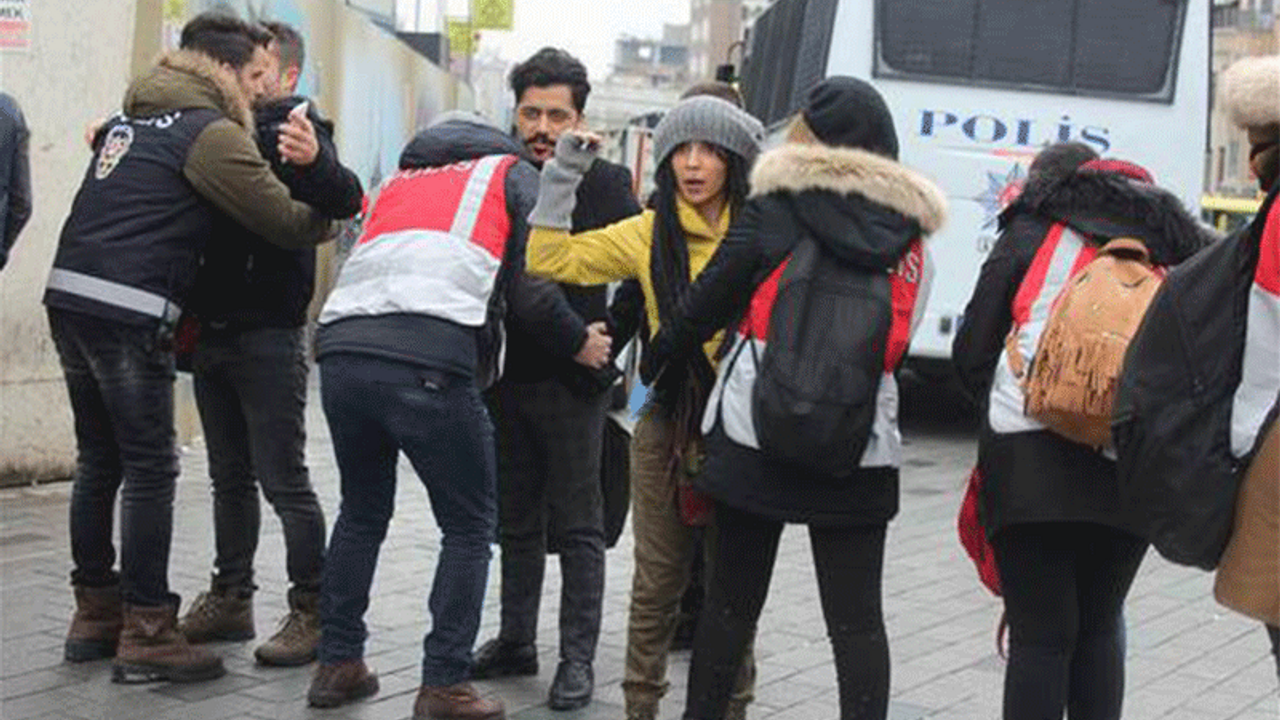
[1260,368]
[432,245]
[730,401]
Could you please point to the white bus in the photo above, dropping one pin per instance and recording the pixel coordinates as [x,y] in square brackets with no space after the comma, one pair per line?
[977,87]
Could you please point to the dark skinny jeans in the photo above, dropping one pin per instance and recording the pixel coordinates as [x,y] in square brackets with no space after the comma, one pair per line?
[1064,589]
[120,382]
[849,563]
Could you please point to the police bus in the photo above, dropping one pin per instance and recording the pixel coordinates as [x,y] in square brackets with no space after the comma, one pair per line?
[977,87]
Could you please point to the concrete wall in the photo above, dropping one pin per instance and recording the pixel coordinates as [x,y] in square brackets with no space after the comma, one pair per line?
[76,69]
[82,56]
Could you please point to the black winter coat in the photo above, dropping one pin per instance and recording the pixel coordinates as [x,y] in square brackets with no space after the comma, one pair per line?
[604,197]
[1172,424]
[246,282]
[1034,477]
[15,175]
[825,194]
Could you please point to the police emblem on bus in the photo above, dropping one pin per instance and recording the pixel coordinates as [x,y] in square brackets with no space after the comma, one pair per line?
[113,149]
[1000,193]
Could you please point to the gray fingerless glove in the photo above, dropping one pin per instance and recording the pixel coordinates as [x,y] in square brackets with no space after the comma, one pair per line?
[558,188]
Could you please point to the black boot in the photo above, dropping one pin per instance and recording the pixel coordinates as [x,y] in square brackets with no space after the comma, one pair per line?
[498,658]
[572,687]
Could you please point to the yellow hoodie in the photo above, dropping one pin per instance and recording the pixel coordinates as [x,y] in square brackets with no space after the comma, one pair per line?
[621,252]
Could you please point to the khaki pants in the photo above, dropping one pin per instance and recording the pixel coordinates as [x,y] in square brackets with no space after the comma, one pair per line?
[664,554]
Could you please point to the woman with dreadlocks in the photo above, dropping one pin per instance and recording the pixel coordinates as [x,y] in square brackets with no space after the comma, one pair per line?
[704,148]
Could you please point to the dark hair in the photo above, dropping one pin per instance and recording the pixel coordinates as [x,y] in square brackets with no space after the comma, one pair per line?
[715,88]
[1051,166]
[292,49]
[225,38]
[552,66]
[669,253]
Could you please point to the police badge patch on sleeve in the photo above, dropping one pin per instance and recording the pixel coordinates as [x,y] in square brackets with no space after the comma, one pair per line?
[114,148]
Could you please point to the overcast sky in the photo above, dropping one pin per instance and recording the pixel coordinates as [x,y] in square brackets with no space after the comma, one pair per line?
[586,28]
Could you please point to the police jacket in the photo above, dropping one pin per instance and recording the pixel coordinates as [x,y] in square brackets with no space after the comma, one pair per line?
[444,232]
[246,282]
[180,153]
[15,175]
[1031,474]
[871,212]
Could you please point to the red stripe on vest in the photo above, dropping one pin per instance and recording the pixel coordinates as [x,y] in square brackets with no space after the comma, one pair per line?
[1033,281]
[428,199]
[756,323]
[494,224]
[1267,276]
[905,290]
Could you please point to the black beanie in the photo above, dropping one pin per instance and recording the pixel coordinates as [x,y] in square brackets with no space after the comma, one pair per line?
[849,112]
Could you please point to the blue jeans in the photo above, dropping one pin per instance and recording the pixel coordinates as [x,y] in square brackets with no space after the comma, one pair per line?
[120,381]
[377,408]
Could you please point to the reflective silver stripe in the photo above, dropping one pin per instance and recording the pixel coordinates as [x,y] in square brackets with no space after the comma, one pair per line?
[113,293]
[464,221]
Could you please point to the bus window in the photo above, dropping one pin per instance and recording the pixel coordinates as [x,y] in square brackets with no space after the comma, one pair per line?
[1097,47]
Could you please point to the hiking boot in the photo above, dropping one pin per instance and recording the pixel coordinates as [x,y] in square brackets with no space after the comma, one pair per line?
[218,615]
[499,658]
[151,649]
[572,686]
[95,626]
[642,711]
[296,641]
[339,683]
[455,702]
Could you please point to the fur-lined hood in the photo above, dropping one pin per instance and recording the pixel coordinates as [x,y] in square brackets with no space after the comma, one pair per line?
[1250,91]
[184,79]
[1108,205]
[796,168]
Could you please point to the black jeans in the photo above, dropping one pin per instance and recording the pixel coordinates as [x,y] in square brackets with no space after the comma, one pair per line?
[251,389]
[1064,589]
[549,443]
[120,381]
[376,409]
[849,563]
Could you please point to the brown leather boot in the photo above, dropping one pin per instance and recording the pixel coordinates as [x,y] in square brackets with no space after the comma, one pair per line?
[339,683]
[95,626]
[152,649]
[218,615]
[296,641]
[455,702]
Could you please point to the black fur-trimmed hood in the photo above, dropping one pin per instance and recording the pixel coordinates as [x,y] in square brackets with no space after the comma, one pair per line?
[1108,205]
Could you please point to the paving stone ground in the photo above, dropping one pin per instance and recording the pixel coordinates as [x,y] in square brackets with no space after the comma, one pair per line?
[1189,659]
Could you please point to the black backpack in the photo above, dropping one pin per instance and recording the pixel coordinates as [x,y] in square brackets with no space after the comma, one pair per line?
[814,399]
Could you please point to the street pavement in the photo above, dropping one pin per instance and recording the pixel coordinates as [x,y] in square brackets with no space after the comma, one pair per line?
[1189,659]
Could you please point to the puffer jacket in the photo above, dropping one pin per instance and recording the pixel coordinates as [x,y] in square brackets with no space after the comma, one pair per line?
[872,213]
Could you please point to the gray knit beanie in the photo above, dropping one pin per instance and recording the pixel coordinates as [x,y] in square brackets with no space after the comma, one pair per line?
[712,120]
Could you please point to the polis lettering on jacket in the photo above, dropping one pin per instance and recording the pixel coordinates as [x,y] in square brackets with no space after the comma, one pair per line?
[989,129]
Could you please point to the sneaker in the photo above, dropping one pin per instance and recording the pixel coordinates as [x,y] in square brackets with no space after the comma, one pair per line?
[455,702]
[218,615]
[296,641]
[499,658]
[340,683]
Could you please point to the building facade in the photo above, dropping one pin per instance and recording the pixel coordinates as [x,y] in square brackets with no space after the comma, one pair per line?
[1241,28]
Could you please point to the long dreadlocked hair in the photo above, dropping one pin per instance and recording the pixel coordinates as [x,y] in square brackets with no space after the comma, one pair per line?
[669,254]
